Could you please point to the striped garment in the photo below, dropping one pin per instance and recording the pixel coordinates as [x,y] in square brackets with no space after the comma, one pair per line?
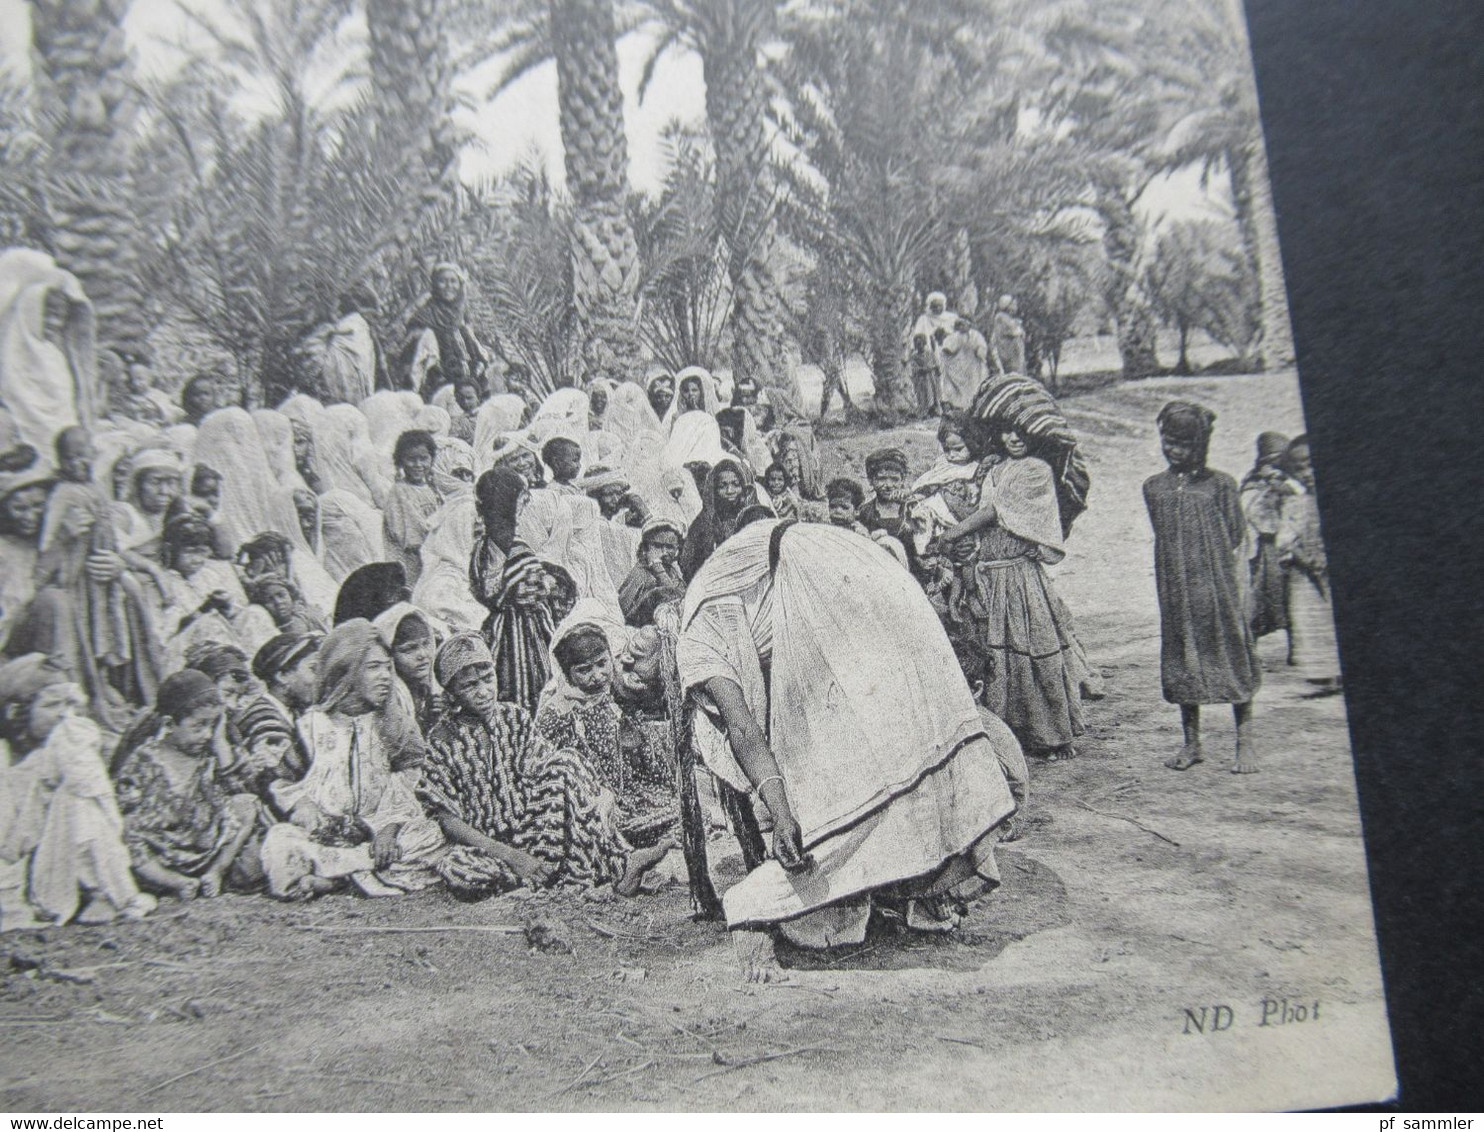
[499,776]
[1022,403]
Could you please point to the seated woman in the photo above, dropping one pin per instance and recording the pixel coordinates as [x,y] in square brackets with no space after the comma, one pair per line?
[187,836]
[353,817]
[727,491]
[61,836]
[204,601]
[578,712]
[495,785]
[408,635]
[283,602]
[655,578]
[842,709]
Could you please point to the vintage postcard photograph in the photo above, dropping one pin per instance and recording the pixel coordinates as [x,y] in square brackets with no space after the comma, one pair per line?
[661,555]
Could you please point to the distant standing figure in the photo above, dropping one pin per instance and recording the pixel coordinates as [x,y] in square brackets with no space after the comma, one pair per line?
[47,367]
[344,355]
[964,364]
[1311,627]
[1007,337]
[1264,489]
[1207,653]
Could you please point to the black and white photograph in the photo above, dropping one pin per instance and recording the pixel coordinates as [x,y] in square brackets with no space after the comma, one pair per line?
[662,555]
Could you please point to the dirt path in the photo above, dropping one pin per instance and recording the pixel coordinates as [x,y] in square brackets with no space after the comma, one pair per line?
[1067,989]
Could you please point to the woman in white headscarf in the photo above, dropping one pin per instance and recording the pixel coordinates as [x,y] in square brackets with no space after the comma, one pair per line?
[630,417]
[695,391]
[443,586]
[496,417]
[344,456]
[46,385]
[388,415]
[566,413]
[433,419]
[882,777]
[276,431]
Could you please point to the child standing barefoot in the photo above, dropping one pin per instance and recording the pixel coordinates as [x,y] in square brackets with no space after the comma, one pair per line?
[1207,654]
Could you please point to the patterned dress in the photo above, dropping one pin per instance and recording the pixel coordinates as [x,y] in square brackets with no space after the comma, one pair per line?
[182,828]
[500,777]
[632,758]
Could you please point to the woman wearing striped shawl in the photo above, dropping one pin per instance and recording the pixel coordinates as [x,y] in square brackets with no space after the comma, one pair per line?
[493,784]
[525,606]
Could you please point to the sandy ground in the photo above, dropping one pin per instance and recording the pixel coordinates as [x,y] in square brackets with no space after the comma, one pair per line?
[1137,894]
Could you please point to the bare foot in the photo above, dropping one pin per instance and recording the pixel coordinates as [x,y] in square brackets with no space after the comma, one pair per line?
[640,862]
[1246,760]
[1189,755]
[757,958]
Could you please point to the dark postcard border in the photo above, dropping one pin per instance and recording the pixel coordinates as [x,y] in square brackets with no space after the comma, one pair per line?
[1374,112]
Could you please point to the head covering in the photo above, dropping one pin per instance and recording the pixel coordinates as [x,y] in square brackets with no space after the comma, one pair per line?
[369,591]
[390,620]
[599,478]
[453,456]
[458,653]
[39,474]
[276,432]
[151,458]
[710,399]
[261,718]
[23,678]
[606,387]
[630,415]
[1187,421]
[185,692]
[495,418]
[44,387]
[587,616]
[216,660]
[283,652]
[1270,446]
[662,524]
[342,654]
[563,413]
[252,499]
[351,533]
[388,415]
[433,419]
[1021,403]
[884,459]
[344,456]
[508,444]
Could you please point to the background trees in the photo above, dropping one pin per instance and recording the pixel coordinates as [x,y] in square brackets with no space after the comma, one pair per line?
[852,155]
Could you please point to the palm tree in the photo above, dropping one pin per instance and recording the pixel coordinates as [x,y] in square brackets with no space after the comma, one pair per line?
[84,69]
[581,35]
[1211,64]
[411,73]
[730,36]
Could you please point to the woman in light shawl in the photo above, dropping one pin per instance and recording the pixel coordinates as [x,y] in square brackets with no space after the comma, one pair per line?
[1299,546]
[630,416]
[443,586]
[440,347]
[354,814]
[453,468]
[841,708]
[599,396]
[155,479]
[60,828]
[276,431]
[567,413]
[388,415]
[496,418]
[350,532]
[794,448]
[411,639]
[1010,608]
[695,392]
[252,501]
[695,438]
[345,458]
[48,372]
[343,354]
[432,419]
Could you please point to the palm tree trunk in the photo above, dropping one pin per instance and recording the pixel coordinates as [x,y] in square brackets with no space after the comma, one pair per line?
[410,78]
[891,309]
[83,67]
[1125,295]
[737,109]
[605,255]
[1252,200]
